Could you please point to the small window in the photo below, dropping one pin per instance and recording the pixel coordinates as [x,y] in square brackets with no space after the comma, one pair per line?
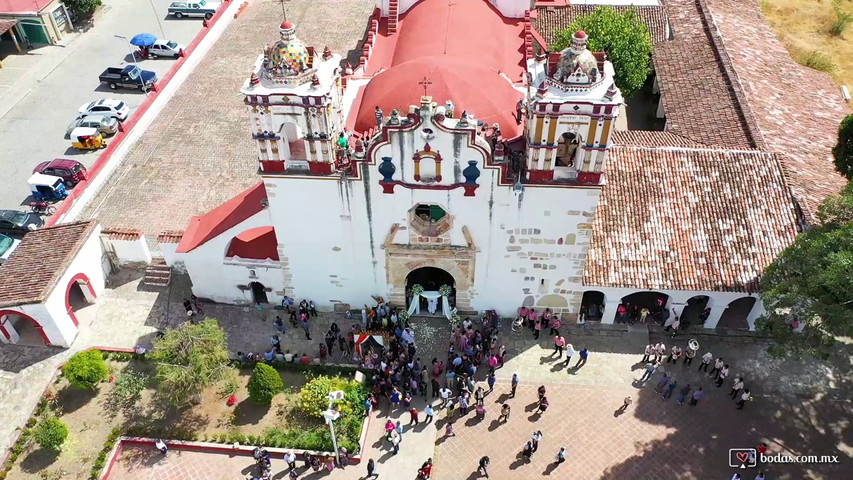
[430,213]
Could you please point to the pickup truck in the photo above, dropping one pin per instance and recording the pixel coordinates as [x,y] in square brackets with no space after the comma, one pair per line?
[200,8]
[121,77]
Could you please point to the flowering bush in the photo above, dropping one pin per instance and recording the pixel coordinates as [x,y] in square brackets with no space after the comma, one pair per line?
[313,397]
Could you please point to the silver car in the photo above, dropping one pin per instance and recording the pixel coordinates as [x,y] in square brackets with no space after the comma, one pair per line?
[105,124]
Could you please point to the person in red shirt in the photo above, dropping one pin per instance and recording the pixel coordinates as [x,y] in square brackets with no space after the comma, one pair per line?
[413,414]
[305,359]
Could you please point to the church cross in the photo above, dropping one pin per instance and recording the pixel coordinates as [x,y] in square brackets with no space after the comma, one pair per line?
[425,83]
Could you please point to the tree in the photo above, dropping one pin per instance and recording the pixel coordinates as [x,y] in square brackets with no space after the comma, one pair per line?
[265,384]
[811,282]
[85,370]
[50,433]
[843,150]
[625,39]
[82,7]
[189,359]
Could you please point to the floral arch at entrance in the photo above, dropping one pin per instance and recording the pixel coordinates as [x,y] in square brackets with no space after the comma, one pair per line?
[434,286]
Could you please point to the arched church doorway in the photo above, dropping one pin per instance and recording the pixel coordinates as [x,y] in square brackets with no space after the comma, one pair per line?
[736,313]
[592,306]
[431,279]
[21,329]
[78,295]
[259,292]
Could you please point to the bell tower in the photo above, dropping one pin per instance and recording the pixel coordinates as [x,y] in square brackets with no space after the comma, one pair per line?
[572,104]
[295,110]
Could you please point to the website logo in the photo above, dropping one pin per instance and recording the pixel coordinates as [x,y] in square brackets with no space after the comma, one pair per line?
[742,457]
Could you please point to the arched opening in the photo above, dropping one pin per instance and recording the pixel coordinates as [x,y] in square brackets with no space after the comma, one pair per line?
[78,295]
[21,329]
[736,313]
[632,306]
[259,292]
[694,312]
[293,136]
[592,306]
[567,146]
[431,279]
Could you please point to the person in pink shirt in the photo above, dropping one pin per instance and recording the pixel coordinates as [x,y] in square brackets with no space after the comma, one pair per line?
[537,328]
[555,325]
[559,343]
[531,319]
[522,313]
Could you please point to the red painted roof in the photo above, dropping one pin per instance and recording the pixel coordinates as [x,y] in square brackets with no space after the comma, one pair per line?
[462,47]
[20,6]
[204,228]
[286,25]
[257,243]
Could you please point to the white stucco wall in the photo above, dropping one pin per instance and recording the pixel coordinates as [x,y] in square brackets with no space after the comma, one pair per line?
[88,262]
[130,251]
[214,279]
[521,240]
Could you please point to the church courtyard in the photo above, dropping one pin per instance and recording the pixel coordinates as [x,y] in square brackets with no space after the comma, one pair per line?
[653,438]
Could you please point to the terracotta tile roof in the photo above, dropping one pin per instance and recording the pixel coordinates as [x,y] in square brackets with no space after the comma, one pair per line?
[551,20]
[689,219]
[6,24]
[40,260]
[170,236]
[695,78]
[127,234]
[647,138]
[796,108]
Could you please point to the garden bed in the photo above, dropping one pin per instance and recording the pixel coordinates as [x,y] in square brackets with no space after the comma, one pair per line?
[95,420]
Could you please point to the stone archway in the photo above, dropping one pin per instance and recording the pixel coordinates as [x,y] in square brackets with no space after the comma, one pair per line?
[458,262]
[76,297]
[431,279]
[7,318]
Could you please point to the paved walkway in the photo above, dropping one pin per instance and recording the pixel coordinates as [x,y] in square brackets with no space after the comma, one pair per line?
[801,406]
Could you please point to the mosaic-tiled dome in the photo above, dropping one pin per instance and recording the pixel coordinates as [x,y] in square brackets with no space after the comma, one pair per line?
[289,49]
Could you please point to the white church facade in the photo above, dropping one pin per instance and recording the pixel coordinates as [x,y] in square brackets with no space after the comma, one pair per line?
[469,161]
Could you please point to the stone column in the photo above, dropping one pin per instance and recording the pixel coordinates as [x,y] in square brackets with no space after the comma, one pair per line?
[609,314]
[714,318]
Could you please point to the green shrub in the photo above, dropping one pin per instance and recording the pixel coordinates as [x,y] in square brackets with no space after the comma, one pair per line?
[51,433]
[128,387]
[265,384]
[815,59]
[842,19]
[313,397]
[86,369]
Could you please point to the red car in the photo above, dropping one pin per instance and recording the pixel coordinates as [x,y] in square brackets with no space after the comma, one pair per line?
[71,171]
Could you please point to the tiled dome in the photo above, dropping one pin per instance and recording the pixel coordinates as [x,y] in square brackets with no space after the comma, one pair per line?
[289,49]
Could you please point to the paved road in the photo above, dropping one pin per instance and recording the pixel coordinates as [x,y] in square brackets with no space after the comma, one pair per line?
[46,96]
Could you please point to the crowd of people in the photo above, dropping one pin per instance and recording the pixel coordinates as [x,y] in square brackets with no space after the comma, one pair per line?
[654,356]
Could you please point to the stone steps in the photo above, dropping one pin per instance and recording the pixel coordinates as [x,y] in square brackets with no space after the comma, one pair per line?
[158,274]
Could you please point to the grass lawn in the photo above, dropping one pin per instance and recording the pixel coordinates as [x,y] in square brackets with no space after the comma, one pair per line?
[804,27]
[91,418]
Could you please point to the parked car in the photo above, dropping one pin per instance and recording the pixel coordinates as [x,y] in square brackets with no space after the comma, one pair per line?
[70,171]
[105,124]
[7,246]
[16,221]
[105,106]
[165,48]
[130,76]
[201,8]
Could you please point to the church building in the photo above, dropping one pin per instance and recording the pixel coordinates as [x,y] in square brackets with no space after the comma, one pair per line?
[455,155]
